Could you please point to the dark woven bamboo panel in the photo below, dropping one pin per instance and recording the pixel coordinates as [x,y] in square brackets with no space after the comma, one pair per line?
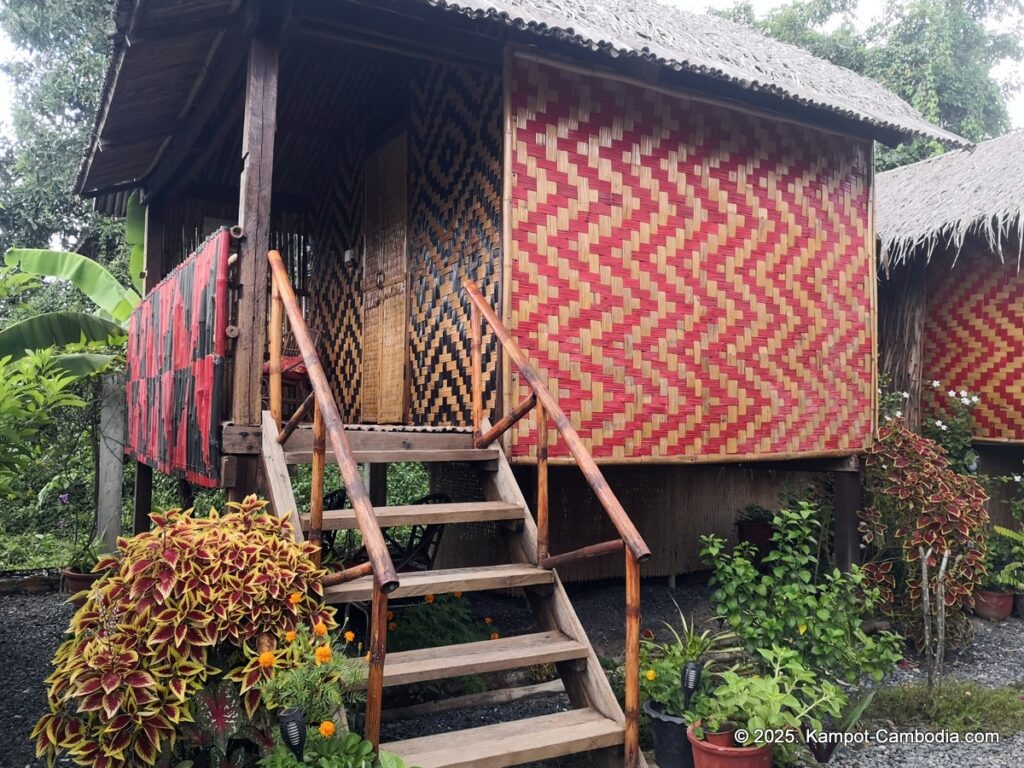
[974,341]
[455,230]
[695,283]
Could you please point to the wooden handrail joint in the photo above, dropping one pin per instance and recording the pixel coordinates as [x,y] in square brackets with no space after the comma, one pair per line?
[506,422]
[583,553]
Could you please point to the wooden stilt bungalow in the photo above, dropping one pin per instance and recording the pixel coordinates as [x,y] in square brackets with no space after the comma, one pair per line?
[560,252]
[952,294]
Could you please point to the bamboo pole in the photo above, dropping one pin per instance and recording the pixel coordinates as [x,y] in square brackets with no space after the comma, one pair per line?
[583,553]
[477,374]
[275,340]
[383,568]
[506,422]
[375,680]
[348,574]
[542,483]
[634,542]
[316,491]
[295,419]
[632,708]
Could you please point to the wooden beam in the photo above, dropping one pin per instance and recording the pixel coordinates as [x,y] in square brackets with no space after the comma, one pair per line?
[254,219]
[849,495]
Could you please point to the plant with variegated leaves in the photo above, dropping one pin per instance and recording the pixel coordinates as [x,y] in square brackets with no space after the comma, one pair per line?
[178,606]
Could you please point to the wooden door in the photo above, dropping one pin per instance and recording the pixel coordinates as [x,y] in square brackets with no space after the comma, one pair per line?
[385,281]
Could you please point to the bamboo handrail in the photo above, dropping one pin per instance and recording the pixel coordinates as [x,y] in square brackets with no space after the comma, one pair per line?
[630,536]
[547,407]
[384,574]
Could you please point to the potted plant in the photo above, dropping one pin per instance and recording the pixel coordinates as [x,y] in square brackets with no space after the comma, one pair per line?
[727,728]
[1011,576]
[993,600]
[671,678]
[78,574]
[754,526]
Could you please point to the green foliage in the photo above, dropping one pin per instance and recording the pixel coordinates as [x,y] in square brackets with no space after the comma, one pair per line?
[1011,575]
[790,606]
[407,482]
[787,695]
[29,551]
[661,664]
[340,751]
[961,707]
[135,239]
[222,730]
[949,423]
[438,620]
[319,689]
[938,55]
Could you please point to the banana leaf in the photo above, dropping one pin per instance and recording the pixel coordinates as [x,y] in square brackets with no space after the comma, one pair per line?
[91,278]
[56,329]
[135,236]
[83,363]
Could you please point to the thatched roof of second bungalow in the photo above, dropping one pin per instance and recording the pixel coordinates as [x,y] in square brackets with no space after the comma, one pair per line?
[937,203]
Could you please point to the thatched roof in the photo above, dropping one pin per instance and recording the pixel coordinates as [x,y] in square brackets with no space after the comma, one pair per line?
[710,46]
[936,203]
[167,53]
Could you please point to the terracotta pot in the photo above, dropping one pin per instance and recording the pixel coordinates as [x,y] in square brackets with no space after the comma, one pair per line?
[77,582]
[707,755]
[723,737]
[994,606]
[671,747]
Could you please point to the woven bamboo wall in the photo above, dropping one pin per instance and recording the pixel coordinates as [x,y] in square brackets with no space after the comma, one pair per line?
[974,341]
[695,282]
[454,232]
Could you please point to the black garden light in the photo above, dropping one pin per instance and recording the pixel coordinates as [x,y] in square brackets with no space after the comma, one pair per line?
[690,680]
[293,730]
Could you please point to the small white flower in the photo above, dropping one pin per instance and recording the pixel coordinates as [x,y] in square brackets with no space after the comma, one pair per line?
[938,423]
[899,414]
[1016,478]
[935,383]
[888,418]
[952,393]
[975,399]
[906,395]
[945,428]
[965,401]
[963,393]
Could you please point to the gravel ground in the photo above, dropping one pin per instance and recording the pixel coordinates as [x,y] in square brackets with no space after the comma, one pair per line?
[31,627]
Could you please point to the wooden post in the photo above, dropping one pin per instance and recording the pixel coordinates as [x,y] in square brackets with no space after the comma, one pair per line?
[111,461]
[274,332]
[542,483]
[477,372]
[316,491]
[632,708]
[378,477]
[259,126]
[154,266]
[375,680]
[849,495]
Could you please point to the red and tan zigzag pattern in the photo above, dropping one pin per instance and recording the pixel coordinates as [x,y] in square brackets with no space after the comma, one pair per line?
[695,283]
[974,341]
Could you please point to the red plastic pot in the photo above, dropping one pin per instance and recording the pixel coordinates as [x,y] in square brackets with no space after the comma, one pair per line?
[994,606]
[707,755]
[76,582]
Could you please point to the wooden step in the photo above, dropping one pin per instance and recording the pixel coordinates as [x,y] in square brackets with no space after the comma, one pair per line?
[476,658]
[419,583]
[512,743]
[424,514]
[384,456]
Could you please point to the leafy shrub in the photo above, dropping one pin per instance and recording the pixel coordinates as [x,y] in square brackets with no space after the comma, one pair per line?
[792,605]
[176,607]
[335,751]
[918,502]
[437,620]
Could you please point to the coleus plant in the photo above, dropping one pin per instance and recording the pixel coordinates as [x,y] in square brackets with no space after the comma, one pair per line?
[919,503]
[175,600]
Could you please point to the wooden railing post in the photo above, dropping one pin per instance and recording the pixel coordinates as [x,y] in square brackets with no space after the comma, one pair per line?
[542,483]
[274,335]
[316,491]
[477,372]
[632,708]
[375,679]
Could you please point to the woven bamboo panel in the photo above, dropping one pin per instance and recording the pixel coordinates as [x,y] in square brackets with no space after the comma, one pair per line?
[693,282]
[974,341]
[455,230]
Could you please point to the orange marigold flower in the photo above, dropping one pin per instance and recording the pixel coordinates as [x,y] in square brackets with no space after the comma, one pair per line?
[369,657]
[323,654]
[392,627]
[428,599]
[290,636]
[458,595]
[267,659]
[488,620]
[350,636]
[320,629]
[494,635]
[295,598]
[327,729]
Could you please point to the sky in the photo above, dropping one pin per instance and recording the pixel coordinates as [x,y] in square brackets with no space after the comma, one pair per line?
[867,11]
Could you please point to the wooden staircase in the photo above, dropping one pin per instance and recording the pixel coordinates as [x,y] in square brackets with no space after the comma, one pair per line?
[596,723]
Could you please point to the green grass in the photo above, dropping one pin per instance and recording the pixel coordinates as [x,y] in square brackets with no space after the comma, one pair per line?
[27,551]
[960,707]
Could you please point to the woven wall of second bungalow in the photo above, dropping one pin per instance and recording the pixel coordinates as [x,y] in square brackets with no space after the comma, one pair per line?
[974,341]
[695,283]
